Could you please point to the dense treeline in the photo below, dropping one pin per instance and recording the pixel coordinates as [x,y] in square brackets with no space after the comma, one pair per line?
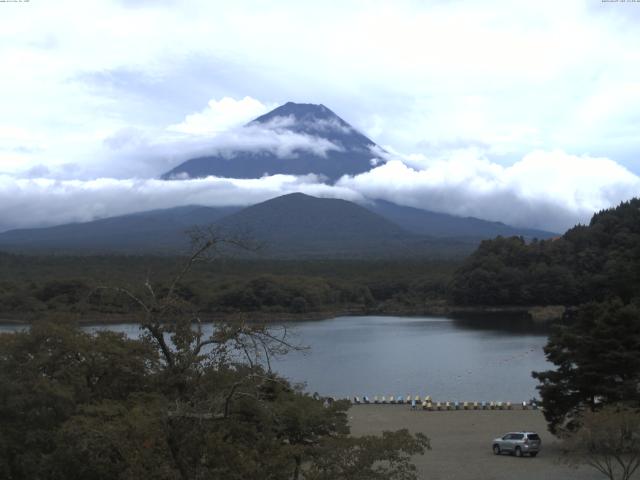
[587,263]
[34,286]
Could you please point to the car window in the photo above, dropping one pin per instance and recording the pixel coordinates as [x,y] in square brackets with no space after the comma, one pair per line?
[507,437]
[518,436]
[533,436]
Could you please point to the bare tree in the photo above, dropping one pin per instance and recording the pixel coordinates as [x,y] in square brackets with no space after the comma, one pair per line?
[608,440]
[173,324]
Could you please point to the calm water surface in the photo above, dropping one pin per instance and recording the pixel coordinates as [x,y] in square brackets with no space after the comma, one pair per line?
[444,358]
[447,359]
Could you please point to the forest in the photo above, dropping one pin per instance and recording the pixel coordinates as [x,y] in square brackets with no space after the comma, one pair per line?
[37,287]
[589,262]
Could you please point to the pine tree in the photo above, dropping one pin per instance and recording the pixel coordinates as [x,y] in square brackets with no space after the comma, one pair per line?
[598,363]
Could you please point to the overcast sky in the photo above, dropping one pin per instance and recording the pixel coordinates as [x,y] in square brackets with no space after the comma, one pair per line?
[525,112]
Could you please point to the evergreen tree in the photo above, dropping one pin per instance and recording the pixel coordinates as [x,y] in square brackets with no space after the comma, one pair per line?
[587,263]
[598,363]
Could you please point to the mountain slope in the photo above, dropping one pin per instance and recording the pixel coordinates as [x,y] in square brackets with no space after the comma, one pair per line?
[301,224]
[291,226]
[288,226]
[351,152]
[424,222]
[151,231]
[298,225]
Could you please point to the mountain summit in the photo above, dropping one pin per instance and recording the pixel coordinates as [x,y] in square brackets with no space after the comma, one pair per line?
[302,113]
[294,139]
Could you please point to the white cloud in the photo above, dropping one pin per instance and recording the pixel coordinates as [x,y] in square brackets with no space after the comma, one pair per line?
[133,152]
[221,115]
[546,189]
[43,202]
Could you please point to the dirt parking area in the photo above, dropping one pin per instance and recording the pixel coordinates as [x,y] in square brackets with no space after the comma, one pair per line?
[461,443]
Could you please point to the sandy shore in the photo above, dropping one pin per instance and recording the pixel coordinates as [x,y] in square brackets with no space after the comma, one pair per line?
[461,443]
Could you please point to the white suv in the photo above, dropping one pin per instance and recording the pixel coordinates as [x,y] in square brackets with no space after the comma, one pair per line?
[517,443]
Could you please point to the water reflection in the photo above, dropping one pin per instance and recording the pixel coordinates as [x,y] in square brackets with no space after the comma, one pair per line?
[503,325]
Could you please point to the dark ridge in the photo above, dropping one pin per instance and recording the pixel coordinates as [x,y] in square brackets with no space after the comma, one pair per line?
[424,222]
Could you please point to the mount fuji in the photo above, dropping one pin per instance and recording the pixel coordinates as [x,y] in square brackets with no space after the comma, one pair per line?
[345,150]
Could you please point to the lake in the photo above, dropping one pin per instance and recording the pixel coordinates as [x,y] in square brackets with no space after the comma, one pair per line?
[454,360]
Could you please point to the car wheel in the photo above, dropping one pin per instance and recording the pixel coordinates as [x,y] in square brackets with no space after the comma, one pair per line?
[518,452]
[533,454]
[496,449]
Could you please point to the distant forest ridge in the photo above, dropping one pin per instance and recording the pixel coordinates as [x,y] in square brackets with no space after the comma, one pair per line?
[36,287]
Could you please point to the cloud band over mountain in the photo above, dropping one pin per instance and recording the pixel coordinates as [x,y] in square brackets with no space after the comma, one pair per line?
[547,190]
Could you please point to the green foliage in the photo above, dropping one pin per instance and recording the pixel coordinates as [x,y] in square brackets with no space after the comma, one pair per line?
[68,292]
[80,406]
[46,374]
[175,404]
[587,263]
[38,286]
[597,361]
[109,439]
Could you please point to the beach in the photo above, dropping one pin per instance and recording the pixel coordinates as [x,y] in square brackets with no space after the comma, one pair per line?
[461,442]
